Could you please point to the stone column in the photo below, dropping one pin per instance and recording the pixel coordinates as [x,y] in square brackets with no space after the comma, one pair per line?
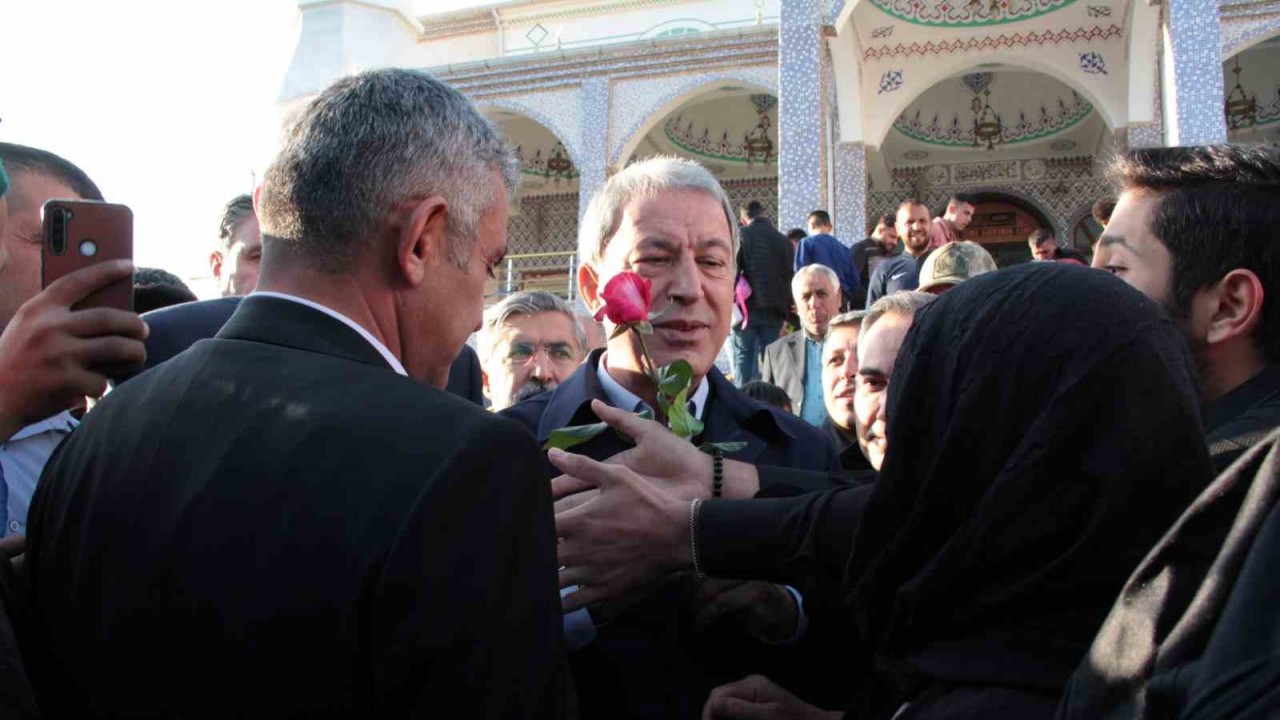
[800,110]
[851,192]
[1191,67]
[594,163]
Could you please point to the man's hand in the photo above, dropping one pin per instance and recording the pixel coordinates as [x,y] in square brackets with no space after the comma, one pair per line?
[758,698]
[765,611]
[619,544]
[662,458]
[50,355]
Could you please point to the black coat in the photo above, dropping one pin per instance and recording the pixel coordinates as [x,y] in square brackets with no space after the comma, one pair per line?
[275,524]
[764,256]
[178,327]
[647,663]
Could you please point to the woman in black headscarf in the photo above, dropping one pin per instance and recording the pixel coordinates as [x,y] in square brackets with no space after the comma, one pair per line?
[1043,433]
[1195,633]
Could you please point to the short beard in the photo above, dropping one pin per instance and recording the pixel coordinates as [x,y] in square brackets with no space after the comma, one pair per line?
[532,387]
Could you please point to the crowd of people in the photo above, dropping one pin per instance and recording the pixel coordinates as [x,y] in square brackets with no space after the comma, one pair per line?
[953,491]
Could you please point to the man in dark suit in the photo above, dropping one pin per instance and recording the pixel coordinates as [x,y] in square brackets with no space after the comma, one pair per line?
[288,519]
[794,363]
[764,258]
[178,327]
[660,658]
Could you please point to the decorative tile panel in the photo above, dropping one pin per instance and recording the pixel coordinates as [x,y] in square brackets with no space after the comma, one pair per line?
[595,132]
[991,43]
[1195,34]
[799,111]
[850,213]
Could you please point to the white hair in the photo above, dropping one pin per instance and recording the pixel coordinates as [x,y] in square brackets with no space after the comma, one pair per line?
[814,269]
[644,179]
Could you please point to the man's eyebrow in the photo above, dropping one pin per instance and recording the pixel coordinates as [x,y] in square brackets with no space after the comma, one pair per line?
[656,242]
[872,372]
[714,241]
[1109,240]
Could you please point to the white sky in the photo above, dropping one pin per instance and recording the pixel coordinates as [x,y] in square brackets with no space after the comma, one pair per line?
[169,105]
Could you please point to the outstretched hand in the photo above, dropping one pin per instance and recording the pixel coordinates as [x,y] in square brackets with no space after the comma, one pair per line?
[622,542]
[758,698]
[660,456]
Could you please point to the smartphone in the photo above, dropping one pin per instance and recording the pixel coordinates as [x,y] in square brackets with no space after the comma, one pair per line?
[78,233]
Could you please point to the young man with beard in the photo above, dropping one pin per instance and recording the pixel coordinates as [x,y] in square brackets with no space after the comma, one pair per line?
[1195,230]
[529,343]
[903,271]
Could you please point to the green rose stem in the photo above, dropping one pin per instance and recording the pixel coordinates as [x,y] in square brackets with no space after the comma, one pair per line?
[652,369]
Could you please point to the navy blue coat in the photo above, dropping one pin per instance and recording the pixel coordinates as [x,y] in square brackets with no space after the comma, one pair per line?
[648,663]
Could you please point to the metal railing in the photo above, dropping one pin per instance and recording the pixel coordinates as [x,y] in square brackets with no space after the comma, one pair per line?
[554,272]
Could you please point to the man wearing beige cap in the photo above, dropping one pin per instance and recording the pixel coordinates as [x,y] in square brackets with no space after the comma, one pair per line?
[952,264]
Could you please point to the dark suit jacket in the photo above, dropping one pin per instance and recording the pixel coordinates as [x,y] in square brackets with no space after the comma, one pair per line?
[784,366]
[178,327]
[764,256]
[275,524]
[648,663]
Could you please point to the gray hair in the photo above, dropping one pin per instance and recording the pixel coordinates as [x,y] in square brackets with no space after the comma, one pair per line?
[368,142]
[239,208]
[525,302]
[644,179]
[814,269]
[852,318]
[905,303]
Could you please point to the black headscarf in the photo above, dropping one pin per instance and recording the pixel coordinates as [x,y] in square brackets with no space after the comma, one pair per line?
[1196,631]
[1044,433]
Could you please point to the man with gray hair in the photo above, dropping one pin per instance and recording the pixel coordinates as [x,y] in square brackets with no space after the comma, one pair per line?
[529,343]
[236,262]
[290,510]
[794,363]
[668,220]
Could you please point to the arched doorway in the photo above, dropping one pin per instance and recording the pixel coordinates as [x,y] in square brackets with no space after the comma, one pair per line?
[1002,223]
[542,230]
[1023,140]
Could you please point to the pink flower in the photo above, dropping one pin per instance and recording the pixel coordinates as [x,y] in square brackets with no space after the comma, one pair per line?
[626,299]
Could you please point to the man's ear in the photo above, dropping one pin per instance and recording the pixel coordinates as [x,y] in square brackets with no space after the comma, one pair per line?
[422,237]
[1237,309]
[215,264]
[589,287]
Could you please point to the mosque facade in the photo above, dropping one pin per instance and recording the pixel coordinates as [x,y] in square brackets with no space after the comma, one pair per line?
[844,105]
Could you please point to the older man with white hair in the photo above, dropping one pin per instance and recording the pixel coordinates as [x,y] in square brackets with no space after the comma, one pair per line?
[794,363]
[669,221]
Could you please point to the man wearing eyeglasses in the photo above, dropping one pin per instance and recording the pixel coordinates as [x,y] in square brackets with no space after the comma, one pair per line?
[529,343]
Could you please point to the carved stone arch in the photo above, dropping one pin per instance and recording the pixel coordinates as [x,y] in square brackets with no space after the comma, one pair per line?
[879,127]
[565,126]
[640,105]
[1238,37]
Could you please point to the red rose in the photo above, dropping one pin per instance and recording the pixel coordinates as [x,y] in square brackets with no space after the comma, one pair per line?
[626,299]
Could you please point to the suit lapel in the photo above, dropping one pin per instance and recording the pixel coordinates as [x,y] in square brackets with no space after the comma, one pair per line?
[732,417]
[800,366]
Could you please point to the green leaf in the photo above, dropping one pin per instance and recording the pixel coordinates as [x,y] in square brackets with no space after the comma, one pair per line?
[646,413]
[724,447]
[643,327]
[658,315]
[567,437]
[674,377]
[619,330]
[682,423]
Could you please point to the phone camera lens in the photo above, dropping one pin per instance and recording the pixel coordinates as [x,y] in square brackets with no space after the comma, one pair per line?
[58,231]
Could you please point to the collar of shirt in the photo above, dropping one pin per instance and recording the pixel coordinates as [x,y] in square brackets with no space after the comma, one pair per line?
[62,422]
[1235,403]
[621,397]
[392,360]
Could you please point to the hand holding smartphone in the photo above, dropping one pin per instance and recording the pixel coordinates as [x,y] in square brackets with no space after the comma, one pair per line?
[80,233]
